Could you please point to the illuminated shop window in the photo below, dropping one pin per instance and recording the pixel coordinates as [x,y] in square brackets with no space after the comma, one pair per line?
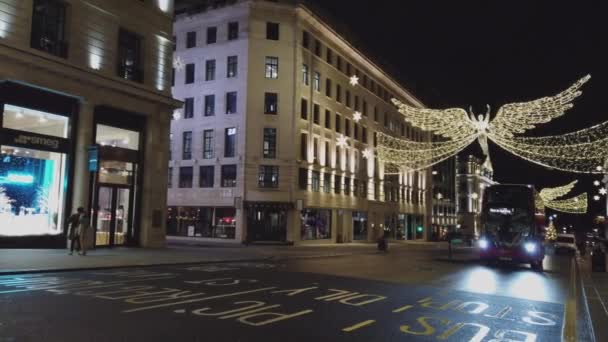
[117,137]
[34,121]
[32,185]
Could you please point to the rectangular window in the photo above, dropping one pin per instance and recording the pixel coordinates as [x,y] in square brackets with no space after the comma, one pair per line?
[356,131]
[326,183]
[303,146]
[129,56]
[173,77]
[231,66]
[329,56]
[327,153]
[170,178]
[338,93]
[348,98]
[338,123]
[305,74]
[348,69]
[302,178]
[271,101]
[187,145]
[272,67]
[230,142]
[364,108]
[385,120]
[208,143]
[189,73]
[317,47]
[364,135]
[304,109]
[328,87]
[346,127]
[272,31]
[231,102]
[233,30]
[228,176]
[268,176]
[270,143]
[315,181]
[315,150]
[210,70]
[188,108]
[327,118]
[209,105]
[190,40]
[337,184]
[185,176]
[316,82]
[305,39]
[375,113]
[338,157]
[206,176]
[316,113]
[48,27]
[357,102]
[346,186]
[211,35]
[339,63]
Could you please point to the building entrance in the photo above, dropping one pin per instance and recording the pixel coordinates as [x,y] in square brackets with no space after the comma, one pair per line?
[113,215]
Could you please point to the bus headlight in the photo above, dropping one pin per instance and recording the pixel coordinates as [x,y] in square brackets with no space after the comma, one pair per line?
[483,244]
[530,247]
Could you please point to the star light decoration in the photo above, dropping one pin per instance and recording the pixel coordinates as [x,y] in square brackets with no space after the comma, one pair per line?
[342,141]
[548,198]
[582,151]
[354,80]
[596,183]
[603,191]
[368,153]
[178,63]
[177,114]
[596,198]
[357,116]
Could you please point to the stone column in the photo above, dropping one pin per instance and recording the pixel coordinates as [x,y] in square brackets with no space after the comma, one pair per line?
[84,138]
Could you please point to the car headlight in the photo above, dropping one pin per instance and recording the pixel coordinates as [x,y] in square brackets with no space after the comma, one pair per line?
[483,243]
[530,247]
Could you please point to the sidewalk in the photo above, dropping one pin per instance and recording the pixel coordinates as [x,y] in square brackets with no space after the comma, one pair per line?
[595,286]
[14,261]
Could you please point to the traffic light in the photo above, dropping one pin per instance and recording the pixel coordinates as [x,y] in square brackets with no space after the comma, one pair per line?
[419,229]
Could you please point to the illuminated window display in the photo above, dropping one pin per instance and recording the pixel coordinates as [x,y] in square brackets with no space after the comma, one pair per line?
[34,121]
[315,224]
[32,184]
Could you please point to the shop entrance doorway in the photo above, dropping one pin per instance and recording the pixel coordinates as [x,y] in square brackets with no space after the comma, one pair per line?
[113,215]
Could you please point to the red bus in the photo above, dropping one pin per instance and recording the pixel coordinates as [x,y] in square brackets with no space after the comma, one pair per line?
[511,226]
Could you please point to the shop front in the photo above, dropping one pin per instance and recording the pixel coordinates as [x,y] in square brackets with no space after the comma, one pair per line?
[36,148]
[202,222]
[360,232]
[116,182]
[315,224]
[267,221]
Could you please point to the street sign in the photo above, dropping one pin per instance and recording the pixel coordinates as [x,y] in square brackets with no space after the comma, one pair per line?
[93,154]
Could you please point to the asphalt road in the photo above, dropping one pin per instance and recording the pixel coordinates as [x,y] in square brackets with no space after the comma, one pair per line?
[412,294]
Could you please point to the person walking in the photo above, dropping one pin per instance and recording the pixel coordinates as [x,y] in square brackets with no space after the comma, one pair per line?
[74,232]
[83,228]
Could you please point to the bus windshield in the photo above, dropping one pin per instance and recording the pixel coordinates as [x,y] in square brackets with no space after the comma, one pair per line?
[508,212]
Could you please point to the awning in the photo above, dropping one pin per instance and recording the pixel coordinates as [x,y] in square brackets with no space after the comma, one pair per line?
[269,205]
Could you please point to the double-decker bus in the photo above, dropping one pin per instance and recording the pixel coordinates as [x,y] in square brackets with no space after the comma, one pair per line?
[511,226]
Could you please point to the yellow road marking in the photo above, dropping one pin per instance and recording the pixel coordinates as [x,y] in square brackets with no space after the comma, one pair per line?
[403,308]
[359,325]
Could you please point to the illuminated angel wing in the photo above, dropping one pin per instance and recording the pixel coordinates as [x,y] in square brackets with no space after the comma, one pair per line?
[550,194]
[451,123]
[514,118]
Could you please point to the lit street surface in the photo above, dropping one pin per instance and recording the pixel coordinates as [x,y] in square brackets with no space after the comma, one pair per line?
[408,294]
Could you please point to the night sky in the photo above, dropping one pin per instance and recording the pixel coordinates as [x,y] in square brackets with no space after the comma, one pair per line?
[463,53]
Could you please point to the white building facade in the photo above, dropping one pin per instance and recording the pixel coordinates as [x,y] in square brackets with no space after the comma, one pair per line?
[86,105]
[473,176]
[269,144]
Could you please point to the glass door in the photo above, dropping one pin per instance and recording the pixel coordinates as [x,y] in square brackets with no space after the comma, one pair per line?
[112,215]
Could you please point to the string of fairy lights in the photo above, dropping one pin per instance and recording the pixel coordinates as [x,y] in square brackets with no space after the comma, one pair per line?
[548,198]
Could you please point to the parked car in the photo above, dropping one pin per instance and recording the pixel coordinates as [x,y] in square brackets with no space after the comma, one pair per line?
[459,237]
[565,243]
